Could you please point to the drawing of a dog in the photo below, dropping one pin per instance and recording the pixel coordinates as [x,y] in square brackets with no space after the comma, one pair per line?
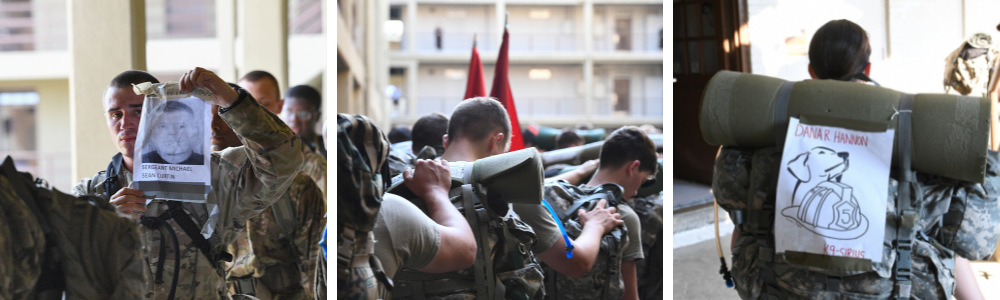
[813,167]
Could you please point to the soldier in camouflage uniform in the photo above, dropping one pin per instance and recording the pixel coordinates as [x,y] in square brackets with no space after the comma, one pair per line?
[245,181]
[51,243]
[301,111]
[268,264]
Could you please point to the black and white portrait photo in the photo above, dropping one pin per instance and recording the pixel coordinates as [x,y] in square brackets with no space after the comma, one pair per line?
[175,137]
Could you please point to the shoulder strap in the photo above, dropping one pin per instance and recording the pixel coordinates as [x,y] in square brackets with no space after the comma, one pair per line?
[177,213]
[111,182]
[486,285]
[907,215]
[284,216]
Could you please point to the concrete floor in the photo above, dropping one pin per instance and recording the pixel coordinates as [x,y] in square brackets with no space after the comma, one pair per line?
[696,271]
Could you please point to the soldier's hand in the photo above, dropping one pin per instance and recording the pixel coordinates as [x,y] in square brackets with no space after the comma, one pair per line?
[431,177]
[607,218]
[129,201]
[198,78]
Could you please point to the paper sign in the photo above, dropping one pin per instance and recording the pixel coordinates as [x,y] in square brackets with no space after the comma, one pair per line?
[172,149]
[831,195]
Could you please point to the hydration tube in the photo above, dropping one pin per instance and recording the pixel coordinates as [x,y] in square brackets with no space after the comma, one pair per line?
[569,245]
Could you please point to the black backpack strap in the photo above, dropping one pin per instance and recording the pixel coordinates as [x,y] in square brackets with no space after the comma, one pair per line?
[907,215]
[193,231]
[111,182]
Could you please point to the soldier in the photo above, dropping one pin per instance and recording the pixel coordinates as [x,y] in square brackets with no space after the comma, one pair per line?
[262,85]
[51,243]
[275,258]
[245,181]
[427,132]
[407,238]
[568,138]
[627,159]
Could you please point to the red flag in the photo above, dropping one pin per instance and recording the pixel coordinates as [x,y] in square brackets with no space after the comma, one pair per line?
[501,91]
[476,86]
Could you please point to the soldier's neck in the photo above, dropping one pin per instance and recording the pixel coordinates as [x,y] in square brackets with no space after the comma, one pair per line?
[463,150]
[127,162]
[605,176]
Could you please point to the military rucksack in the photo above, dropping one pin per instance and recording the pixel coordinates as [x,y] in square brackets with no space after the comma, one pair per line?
[361,164]
[505,267]
[954,217]
[648,271]
[53,243]
[605,277]
[970,67]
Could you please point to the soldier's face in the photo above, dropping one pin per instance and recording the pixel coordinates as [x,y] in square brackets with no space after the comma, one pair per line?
[266,93]
[123,110]
[173,134]
[300,116]
[223,136]
[632,184]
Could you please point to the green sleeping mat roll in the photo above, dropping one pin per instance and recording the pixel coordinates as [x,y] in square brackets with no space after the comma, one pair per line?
[950,133]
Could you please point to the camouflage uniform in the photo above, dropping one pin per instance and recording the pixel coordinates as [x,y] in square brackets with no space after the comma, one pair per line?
[245,181]
[742,174]
[51,242]
[314,167]
[649,271]
[263,251]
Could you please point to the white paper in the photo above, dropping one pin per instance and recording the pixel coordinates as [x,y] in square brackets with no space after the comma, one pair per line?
[172,149]
[832,191]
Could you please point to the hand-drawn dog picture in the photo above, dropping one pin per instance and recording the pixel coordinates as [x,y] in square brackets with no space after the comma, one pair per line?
[820,202]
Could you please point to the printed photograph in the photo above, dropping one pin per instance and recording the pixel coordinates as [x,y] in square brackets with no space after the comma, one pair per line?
[176,137]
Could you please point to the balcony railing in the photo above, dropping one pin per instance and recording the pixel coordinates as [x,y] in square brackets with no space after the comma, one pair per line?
[637,107]
[545,42]
[649,42]
[452,41]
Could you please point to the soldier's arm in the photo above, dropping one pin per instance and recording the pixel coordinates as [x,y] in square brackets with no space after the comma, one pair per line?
[431,181]
[587,246]
[628,275]
[966,287]
[577,175]
[273,150]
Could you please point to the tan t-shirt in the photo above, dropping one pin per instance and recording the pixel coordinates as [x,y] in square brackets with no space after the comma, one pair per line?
[544,225]
[404,236]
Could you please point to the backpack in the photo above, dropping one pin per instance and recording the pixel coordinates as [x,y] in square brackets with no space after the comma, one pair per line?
[648,270]
[605,276]
[970,67]
[955,218]
[361,164]
[54,243]
[505,267]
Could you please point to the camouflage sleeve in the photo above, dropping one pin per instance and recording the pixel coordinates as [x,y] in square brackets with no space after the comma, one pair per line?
[89,185]
[274,153]
[315,168]
[311,209]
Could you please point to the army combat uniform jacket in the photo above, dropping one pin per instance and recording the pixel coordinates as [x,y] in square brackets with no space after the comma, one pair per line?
[314,167]
[263,251]
[245,181]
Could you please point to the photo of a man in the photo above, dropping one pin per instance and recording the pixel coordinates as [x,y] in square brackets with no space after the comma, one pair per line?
[175,138]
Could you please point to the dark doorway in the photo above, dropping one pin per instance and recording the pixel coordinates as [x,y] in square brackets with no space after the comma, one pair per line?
[709,35]
[621,96]
[623,29]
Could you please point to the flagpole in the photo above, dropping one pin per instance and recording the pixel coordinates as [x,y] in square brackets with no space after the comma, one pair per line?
[475,38]
[505,16]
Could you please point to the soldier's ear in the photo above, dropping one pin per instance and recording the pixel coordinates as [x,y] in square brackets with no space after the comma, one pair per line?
[444,140]
[799,169]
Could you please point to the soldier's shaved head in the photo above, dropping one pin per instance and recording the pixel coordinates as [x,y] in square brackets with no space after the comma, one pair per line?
[126,80]
[476,118]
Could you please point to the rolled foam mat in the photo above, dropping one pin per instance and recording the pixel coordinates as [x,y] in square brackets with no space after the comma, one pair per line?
[950,132]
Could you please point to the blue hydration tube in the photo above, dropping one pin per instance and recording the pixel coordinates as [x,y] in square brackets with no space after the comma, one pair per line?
[569,245]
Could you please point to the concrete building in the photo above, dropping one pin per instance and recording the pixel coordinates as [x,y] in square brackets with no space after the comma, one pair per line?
[362,71]
[58,55]
[597,61]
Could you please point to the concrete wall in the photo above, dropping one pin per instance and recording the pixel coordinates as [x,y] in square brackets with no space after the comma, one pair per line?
[458,24]
[52,128]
